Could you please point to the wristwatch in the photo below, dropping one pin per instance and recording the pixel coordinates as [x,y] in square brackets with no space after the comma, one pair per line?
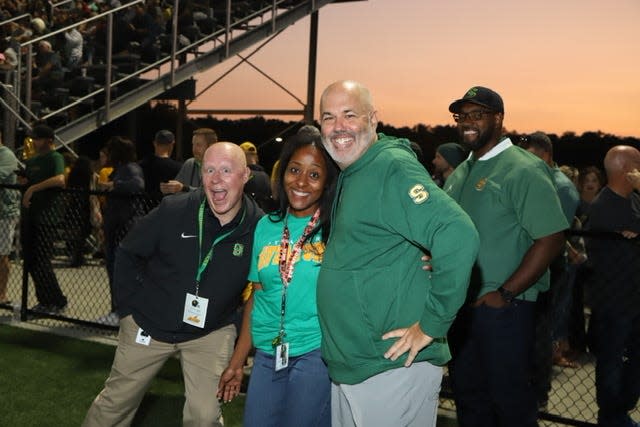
[506,294]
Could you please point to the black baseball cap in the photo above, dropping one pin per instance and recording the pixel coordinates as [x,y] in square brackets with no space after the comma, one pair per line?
[164,137]
[482,96]
[42,132]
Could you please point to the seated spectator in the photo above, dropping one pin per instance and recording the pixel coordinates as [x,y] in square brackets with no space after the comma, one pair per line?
[145,28]
[3,63]
[39,26]
[73,47]
[49,73]
[11,58]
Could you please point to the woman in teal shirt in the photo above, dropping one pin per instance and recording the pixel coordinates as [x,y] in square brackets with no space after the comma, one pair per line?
[289,384]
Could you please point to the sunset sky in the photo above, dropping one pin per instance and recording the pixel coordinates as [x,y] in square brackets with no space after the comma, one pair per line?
[561,65]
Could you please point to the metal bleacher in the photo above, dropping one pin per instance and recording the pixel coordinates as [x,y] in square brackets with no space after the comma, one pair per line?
[117,83]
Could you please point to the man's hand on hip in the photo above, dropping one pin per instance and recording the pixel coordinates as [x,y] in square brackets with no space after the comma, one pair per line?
[411,339]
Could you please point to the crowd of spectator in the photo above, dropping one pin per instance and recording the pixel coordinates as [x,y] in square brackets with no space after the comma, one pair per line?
[68,46]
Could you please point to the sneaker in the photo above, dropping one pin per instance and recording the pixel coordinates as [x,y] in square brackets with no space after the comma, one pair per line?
[40,308]
[57,309]
[111,319]
[48,309]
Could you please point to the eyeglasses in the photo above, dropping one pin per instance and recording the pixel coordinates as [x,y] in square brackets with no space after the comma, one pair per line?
[473,115]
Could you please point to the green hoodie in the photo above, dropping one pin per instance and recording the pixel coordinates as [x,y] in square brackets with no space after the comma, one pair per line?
[387,213]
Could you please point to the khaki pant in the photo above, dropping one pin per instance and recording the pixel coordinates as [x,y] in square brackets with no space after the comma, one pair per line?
[135,365]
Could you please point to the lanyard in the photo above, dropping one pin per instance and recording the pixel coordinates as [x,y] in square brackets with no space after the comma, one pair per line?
[203,263]
[287,264]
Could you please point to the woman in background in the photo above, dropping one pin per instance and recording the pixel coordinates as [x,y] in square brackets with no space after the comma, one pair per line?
[122,206]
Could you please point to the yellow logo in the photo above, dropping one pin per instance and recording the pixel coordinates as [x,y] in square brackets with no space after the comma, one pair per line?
[418,194]
[480,184]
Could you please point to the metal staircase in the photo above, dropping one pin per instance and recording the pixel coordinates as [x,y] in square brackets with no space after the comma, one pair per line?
[234,26]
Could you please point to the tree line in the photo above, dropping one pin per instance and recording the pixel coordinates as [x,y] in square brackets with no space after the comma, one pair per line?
[586,149]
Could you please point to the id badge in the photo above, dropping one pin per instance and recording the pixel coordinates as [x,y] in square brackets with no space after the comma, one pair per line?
[282,356]
[143,337]
[195,310]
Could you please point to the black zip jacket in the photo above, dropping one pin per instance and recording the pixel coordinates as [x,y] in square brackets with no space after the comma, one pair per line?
[157,262]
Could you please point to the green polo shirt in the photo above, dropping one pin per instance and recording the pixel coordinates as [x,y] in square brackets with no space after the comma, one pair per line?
[511,198]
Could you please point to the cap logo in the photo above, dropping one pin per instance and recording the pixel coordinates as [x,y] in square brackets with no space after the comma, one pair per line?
[471,93]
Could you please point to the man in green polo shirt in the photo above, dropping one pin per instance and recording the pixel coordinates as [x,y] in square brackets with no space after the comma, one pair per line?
[510,196]
[44,172]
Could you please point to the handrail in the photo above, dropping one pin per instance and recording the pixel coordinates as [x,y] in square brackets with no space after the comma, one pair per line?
[29,46]
[15,18]
[24,122]
[77,24]
[52,4]
[168,65]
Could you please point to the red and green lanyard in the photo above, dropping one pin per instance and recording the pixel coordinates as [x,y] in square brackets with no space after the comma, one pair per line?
[287,264]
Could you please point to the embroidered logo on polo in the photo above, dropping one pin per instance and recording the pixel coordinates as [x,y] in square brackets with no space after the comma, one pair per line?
[418,194]
[481,184]
[238,249]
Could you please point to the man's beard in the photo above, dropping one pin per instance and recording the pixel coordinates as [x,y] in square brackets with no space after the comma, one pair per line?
[482,140]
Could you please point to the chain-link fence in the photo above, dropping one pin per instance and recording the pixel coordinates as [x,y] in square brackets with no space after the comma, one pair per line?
[59,262]
[570,313]
[57,276]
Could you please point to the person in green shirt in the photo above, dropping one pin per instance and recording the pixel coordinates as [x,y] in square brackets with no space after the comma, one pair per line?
[44,173]
[510,196]
[384,320]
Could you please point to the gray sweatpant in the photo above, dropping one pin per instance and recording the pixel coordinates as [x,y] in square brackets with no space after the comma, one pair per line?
[398,397]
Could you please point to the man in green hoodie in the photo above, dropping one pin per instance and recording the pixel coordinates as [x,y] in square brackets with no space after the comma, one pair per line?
[384,320]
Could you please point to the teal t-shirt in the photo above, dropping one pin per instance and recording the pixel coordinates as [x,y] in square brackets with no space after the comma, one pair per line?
[301,315]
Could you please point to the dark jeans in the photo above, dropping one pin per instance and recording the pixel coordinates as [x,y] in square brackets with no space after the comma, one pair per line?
[38,239]
[299,395]
[616,345]
[491,368]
